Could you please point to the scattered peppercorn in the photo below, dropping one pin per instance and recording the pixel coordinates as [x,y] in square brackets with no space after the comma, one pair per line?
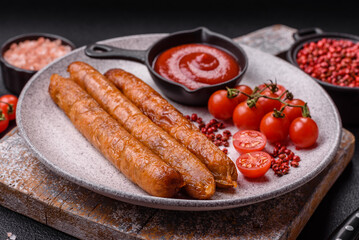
[211,129]
[282,159]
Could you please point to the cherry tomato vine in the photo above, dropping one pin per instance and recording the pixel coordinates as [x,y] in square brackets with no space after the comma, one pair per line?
[273,110]
[258,93]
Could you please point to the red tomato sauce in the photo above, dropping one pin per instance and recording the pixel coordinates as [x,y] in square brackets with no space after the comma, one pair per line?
[196,65]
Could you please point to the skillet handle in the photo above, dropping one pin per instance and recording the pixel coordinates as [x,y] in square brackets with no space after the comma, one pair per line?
[349,229]
[105,51]
[306,32]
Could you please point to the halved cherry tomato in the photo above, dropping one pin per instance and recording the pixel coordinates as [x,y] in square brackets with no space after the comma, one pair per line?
[10,99]
[267,104]
[293,112]
[254,164]
[245,117]
[221,106]
[249,141]
[303,132]
[276,129]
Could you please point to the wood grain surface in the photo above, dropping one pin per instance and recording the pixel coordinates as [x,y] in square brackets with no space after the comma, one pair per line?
[29,188]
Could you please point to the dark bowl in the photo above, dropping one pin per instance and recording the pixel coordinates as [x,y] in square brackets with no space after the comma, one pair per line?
[345,98]
[174,90]
[15,78]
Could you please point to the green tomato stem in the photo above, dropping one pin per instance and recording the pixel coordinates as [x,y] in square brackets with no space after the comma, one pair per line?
[11,107]
[253,98]
[2,116]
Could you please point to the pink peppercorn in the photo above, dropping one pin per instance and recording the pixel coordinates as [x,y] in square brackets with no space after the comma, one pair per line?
[331,60]
[210,129]
[282,158]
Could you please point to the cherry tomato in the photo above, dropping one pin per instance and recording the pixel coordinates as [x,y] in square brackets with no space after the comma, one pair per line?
[10,99]
[303,132]
[280,91]
[275,129]
[293,112]
[4,119]
[254,164]
[9,110]
[241,97]
[221,107]
[267,104]
[249,141]
[245,117]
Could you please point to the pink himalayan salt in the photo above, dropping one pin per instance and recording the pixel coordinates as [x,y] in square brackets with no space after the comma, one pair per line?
[35,54]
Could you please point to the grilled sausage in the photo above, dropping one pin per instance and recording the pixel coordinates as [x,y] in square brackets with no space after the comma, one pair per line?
[171,120]
[199,180]
[132,158]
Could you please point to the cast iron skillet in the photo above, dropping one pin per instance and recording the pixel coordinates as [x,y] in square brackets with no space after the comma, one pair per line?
[173,90]
[345,98]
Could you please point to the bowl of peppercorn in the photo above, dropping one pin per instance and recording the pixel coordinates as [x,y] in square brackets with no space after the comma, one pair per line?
[331,59]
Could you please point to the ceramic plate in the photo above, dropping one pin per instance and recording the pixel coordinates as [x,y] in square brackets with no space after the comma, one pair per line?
[64,150]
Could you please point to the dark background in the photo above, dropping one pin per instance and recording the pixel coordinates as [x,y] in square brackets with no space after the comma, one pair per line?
[85,22]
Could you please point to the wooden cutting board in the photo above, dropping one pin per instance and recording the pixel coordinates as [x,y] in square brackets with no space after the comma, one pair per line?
[29,188]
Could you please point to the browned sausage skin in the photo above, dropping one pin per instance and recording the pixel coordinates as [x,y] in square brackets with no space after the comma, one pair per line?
[199,181]
[160,111]
[132,158]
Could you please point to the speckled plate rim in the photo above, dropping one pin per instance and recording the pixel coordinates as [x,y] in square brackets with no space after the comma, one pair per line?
[171,203]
